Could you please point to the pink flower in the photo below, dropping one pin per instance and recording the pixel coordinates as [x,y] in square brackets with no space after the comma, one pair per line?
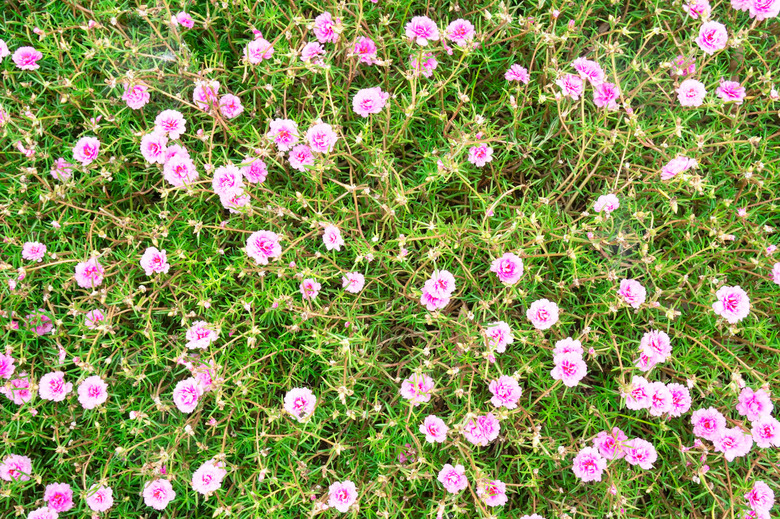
[605,95]
[230,106]
[100,498]
[480,155]
[39,322]
[453,478]
[417,389]
[200,335]
[766,432]
[258,50]
[657,345]
[691,93]
[262,246]
[660,399]
[589,70]
[301,157]
[713,37]
[44,512]
[366,49]
[180,170]
[16,467]
[569,368]
[171,122]
[441,282]
[461,32]
[499,336]
[324,30]
[677,165]
[432,300]
[571,86]
[7,366]
[158,493]
[184,19]
[342,495]
[428,66]
[86,150]
[760,496]
[154,261]
[733,443]
[640,452]
[482,429]
[310,288]
[567,346]
[312,52]
[681,399]
[208,478]
[434,429]
[754,404]
[18,390]
[254,170]
[52,386]
[506,392]
[508,268]
[186,394]
[610,446]
[606,203]
[632,292]
[763,9]
[89,274]
[776,273]
[26,58]
[4,52]
[637,395]
[33,251]
[731,91]
[321,138]
[136,96]
[206,94]
[708,423]
[59,497]
[369,101]
[543,314]
[733,304]
[517,73]
[589,465]
[62,169]
[92,392]
[534,516]
[227,179]
[421,30]
[493,492]
[283,132]
[299,402]
[683,66]
[697,8]
[353,282]
[153,147]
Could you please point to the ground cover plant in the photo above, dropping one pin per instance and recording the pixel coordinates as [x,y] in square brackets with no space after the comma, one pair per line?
[389,259]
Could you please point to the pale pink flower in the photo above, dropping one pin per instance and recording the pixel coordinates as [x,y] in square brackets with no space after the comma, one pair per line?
[311,52]
[153,147]
[154,261]
[605,95]
[200,335]
[254,170]
[498,336]
[776,273]
[7,366]
[184,19]
[713,37]
[763,9]
[571,86]
[543,314]
[158,493]
[637,394]
[16,467]
[606,203]
[26,58]
[434,429]
[208,478]
[589,70]
[589,464]
[39,322]
[453,478]
[176,150]
[657,345]
[301,157]
[92,392]
[683,66]
[569,368]
[422,30]
[417,388]
[89,274]
[325,28]
[640,452]
[62,169]
[4,52]
[733,443]
[299,402]
[566,346]
[206,94]
[230,106]
[136,96]
[681,399]
[754,404]
[366,49]
[353,282]
[760,496]
[433,301]
[258,50]
[33,251]
[708,423]
[660,399]
[44,512]
[493,492]
[733,304]
[697,8]
[691,92]
[461,32]
[480,154]
[532,516]
[508,268]
[310,288]
[180,170]
[441,282]
[321,138]
[766,432]
[19,389]
[610,446]
[428,66]
[171,122]
[227,179]
[332,238]
[506,392]
[262,246]
[284,133]
[52,386]
[677,165]
[93,318]
[369,101]
[517,73]
[186,394]
[342,495]
[632,292]
[86,150]
[731,91]
[100,498]
[59,497]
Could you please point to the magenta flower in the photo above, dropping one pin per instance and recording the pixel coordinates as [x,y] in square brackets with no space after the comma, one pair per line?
[569,368]
[482,430]
[369,101]
[86,150]
[681,399]
[321,138]
[763,9]
[589,70]
[434,429]
[153,146]
[353,282]
[733,304]
[301,157]
[180,170]
[493,492]
[766,432]
[660,399]
[677,165]
[506,392]
[760,496]
[26,58]
[200,335]
[733,443]
[713,37]
[606,203]
[508,268]
[7,366]
[640,452]
[731,91]
[517,73]
[19,389]
[186,394]
[461,32]
[325,28]
[417,389]
[227,179]
[637,394]
[154,261]
[33,251]
[605,95]
[754,404]
[158,493]
[52,386]
[258,50]
[184,19]
[589,465]
[571,86]
[422,30]
[480,155]
[100,498]
[136,96]
[262,246]
[254,170]
[92,392]
[498,336]
[610,446]
[697,8]
[89,274]
[453,478]
[16,467]
[171,122]
[310,288]
[543,314]
[632,292]
[708,423]
[366,49]
[59,497]
[299,402]
[206,94]
[342,495]
[208,478]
